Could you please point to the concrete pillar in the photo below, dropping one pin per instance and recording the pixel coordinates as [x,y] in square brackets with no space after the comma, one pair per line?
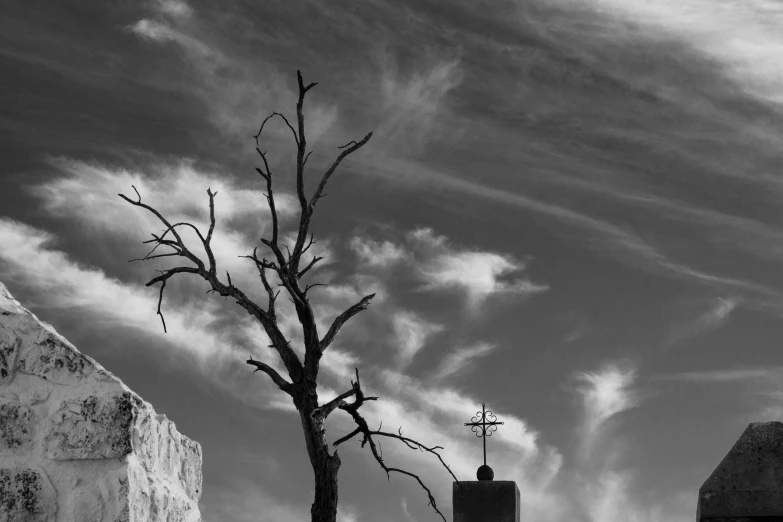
[485,501]
[747,485]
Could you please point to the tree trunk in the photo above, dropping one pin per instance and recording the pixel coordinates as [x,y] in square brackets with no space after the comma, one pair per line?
[325,466]
[324,508]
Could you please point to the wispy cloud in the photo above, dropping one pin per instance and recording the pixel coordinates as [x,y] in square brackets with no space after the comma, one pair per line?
[616,241]
[162,32]
[719,314]
[605,393]
[169,15]
[175,8]
[740,35]
[404,504]
[442,266]
[478,274]
[383,254]
[725,376]
[411,334]
[87,191]
[230,87]
[602,491]
[712,319]
[773,412]
[461,360]
[412,101]
[28,259]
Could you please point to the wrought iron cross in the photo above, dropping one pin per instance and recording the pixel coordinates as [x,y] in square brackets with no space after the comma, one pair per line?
[484,433]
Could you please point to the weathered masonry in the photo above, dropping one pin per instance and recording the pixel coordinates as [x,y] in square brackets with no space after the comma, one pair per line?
[747,486]
[76,445]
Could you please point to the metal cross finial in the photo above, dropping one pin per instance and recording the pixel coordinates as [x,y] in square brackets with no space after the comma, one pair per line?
[484,433]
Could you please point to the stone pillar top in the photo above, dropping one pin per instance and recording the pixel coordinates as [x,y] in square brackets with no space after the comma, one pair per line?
[485,501]
[748,482]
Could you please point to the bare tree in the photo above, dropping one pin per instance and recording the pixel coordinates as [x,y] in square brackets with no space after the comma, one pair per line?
[302,382]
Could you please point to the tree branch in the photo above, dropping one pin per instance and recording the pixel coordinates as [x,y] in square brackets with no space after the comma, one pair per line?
[165,275]
[256,136]
[169,227]
[308,287]
[342,319]
[324,410]
[302,87]
[271,294]
[308,267]
[208,240]
[294,291]
[328,173]
[347,437]
[270,198]
[288,356]
[280,381]
[364,429]
[301,145]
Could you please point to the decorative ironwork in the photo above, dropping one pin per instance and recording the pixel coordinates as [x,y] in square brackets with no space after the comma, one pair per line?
[484,432]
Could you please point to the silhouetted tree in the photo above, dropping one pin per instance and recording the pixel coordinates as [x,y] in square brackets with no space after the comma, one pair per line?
[302,382]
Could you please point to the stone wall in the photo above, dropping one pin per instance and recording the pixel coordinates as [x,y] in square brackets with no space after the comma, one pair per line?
[76,445]
[747,485]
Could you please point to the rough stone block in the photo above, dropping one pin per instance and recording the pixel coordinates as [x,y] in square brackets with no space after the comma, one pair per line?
[76,445]
[91,428]
[26,495]
[485,500]
[9,351]
[17,427]
[163,451]
[157,501]
[54,359]
[748,483]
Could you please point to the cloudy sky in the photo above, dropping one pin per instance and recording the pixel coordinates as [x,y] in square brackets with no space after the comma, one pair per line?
[569,210]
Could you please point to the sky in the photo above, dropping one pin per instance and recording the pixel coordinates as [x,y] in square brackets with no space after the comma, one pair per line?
[569,210]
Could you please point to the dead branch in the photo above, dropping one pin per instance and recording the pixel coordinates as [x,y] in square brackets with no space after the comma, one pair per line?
[308,267]
[301,144]
[208,240]
[324,410]
[280,381]
[288,268]
[294,291]
[328,173]
[313,285]
[342,319]
[270,198]
[169,227]
[287,355]
[160,300]
[364,429]
[257,135]
[301,157]
[271,294]
[309,244]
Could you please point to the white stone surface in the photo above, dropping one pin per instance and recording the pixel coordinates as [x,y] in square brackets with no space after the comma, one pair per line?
[76,444]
